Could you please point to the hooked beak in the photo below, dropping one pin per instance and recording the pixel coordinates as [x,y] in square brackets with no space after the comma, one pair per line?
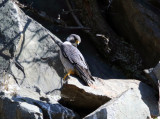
[77,42]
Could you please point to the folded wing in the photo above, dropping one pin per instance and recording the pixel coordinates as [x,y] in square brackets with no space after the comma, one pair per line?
[76,58]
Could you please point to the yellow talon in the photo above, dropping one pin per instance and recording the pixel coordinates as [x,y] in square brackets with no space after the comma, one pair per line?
[68,74]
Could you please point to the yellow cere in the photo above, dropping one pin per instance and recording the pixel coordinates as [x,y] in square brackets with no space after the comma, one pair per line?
[77,42]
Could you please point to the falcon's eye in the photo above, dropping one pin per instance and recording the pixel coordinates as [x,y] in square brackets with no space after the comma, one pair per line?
[72,41]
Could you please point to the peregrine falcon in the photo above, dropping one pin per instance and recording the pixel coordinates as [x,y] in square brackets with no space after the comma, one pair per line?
[73,60]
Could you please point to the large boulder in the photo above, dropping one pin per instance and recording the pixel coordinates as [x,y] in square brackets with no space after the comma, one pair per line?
[77,96]
[127,106]
[138,22]
[26,44]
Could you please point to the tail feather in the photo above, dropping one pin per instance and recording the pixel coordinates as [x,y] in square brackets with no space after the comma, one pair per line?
[85,75]
[88,81]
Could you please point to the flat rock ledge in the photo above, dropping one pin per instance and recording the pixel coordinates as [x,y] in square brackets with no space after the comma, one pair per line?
[77,96]
[82,97]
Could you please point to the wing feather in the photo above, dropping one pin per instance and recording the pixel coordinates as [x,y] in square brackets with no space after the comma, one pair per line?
[73,55]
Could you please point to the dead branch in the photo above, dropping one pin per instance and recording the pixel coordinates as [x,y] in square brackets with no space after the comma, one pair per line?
[106,41]
[73,15]
[103,36]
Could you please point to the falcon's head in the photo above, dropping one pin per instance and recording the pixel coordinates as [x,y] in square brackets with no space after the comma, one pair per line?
[74,39]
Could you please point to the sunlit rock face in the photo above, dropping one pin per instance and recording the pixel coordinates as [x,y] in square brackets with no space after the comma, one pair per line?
[26,43]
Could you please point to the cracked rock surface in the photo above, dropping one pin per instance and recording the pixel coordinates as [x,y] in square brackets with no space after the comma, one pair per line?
[25,42]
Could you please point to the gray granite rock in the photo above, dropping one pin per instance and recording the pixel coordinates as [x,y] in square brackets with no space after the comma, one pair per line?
[81,97]
[156,71]
[32,54]
[18,110]
[27,108]
[127,106]
[28,111]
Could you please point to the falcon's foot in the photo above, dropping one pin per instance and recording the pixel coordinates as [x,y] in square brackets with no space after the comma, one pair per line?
[68,74]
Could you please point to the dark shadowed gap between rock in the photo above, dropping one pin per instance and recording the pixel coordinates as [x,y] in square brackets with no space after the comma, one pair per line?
[81,101]
[45,112]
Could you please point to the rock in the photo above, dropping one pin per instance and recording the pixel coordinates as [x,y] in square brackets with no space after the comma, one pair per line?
[138,22]
[127,106]
[18,110]
[56,111]
[47,103]
[51,109]
[78,96]
[153,74]
[28,111]
[32,54]
[26,104]
[7,108]
[156,71]
[28,108]
[103,90]
[33,69]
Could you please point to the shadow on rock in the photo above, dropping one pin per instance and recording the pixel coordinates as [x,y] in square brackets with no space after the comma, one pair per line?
[150,98]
